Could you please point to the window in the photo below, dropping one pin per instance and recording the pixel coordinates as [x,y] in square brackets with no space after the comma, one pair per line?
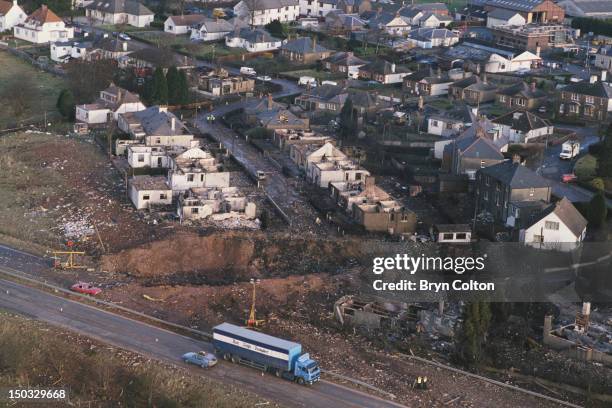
[434,123]
[195,210]
[502,98]
[447,236]
[531,192]
[140,158]
[485,196]
[589,99]
[538,238]
[482,164]
[190,177]
[551,225]
[146,197]
[575,97]
[461,235]
[163,196]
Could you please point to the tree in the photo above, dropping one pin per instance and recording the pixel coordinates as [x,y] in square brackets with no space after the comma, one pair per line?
[348,126]
[604,158]
[172,79]
[65,104]
[473,334]
[597,183]
[160,87]
[183,89]
[598,210]
[276,29]
[88,78]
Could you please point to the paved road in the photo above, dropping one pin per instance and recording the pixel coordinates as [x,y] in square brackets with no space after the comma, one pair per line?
[165,345]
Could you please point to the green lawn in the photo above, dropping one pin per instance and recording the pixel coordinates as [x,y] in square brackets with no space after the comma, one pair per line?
[161,39]
[206,51]
[45,88]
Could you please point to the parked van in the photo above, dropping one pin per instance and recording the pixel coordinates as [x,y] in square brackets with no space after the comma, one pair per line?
[247,71]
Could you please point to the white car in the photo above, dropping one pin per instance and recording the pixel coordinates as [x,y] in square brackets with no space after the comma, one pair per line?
[264,78]
[124,37]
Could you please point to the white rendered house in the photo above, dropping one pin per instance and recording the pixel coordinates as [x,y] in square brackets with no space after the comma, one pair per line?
[43,26]
[10,15]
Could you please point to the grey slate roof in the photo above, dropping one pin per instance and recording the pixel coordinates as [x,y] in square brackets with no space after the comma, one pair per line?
[598,89]
[381,66]
[502,14]
[156,123]
[120,6]
[216,25]
[303,45]
[345,59]
[523,121]
[478,147]
[524,90]
[515,175]
[254,35]
[428,34]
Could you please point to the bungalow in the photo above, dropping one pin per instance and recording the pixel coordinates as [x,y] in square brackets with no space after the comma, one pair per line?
[448,123]
[432,37]
[252,40]
[503,17]
[112,102]
[211,29]
[119,12]
[427,82]
[383,71]
[521,96]
[393,24]
[473,90]
[155,57]
[323,98]
[523,126]
[339,23]
[344,62]
[182,24]
[43,26]
[559,225]
[155,126]
[10,15]
[432,20]
[525,60]
[262,12]
[304,50]
[149,191]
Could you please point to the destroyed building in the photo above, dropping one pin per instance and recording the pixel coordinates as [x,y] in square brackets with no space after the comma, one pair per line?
[201,202]
[374,314]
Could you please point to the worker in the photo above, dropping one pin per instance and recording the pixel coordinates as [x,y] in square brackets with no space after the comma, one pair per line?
[419,382]
[424,383]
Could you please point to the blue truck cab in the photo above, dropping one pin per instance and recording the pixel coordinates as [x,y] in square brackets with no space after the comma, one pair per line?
[268,353]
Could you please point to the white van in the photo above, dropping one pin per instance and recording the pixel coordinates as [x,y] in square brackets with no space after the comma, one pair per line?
[247,71]
[307,80]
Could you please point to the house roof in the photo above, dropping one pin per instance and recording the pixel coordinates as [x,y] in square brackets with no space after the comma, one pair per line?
[586,7]
[478,147]
[5,6]
[158,123]
[515,175]
[269,4]
[325,92]
[303,45]
[522,89]
[43,15]
[428,34]
[216,25]
[520,5]
[345,59]
[279,117]
[123,95]
[254,35]
[380,66]
[598,89]
[523,121]
[567,213]
[120,6]
[502,14]
[187,20]
[461,113]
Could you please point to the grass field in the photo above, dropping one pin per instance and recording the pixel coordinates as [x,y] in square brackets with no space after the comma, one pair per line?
[48,87]
[206,51]
[161,39]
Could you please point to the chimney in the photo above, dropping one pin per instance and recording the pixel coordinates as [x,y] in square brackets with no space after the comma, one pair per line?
[533,86]
[173,123]
[269,101]
[393,68]
[125,46]
[604,75]
[538,49]
[421,103]
[478,69]
[593,79]
[314,43]
[439,72]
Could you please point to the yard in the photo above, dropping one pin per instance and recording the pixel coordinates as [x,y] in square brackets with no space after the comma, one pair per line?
[161,39]
[319,75]
[208,51]
[40,97]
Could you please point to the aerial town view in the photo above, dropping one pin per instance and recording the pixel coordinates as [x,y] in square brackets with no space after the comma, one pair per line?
[306,203]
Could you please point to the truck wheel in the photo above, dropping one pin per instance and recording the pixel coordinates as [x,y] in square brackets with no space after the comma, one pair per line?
[234,359]
[227,356]
[300,381]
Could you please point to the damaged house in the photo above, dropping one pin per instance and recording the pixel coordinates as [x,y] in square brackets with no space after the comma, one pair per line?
[112,102]
[203,202]
[196,168]
[155,126]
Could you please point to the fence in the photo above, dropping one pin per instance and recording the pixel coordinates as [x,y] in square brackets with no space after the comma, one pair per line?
[45,66]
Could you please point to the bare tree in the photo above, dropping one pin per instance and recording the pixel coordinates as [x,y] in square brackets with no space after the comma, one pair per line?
[88,78]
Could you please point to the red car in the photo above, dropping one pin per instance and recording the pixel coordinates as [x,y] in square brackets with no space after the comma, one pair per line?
[86,288]
[568,178]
